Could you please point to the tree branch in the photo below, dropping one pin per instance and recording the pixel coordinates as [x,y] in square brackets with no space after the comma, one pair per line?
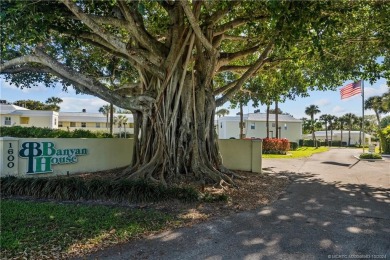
[95,27]
[234,68]
[195,26]
[136,26]
[229,25]
[228,57]
[80,81]
[256,66]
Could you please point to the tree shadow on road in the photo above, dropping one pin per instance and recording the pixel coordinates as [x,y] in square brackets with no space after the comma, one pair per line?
[312,220]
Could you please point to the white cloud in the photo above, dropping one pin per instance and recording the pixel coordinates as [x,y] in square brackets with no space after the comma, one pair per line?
[6,85]
[370,91]
[74,104]
[322,102]
[338,110]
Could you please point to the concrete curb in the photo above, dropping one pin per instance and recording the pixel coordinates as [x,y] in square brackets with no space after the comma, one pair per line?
[370,160]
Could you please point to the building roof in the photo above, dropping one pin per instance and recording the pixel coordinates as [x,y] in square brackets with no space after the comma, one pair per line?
[261,117]
[89,117]
[336,132]
[9,108]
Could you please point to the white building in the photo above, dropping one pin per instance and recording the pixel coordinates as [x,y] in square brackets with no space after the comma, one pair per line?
[255,126]
[12,115]
[336,136]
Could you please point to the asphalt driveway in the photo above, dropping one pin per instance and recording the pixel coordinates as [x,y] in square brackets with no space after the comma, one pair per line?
[335,208]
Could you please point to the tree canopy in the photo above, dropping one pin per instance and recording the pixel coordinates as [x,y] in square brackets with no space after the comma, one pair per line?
[173,62]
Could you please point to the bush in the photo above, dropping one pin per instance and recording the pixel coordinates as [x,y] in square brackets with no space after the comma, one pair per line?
[73,188]
[384,136]
[370,156]
[39,132]
[293,146]
[275,146]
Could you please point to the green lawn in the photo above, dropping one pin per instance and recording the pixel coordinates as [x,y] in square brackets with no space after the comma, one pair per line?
[299,153]
[32,230]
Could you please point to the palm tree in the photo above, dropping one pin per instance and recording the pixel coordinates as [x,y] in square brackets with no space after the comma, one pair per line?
[105,110]
[311,111]
[325,119]
[350,120]
[378,104]
[386,102]
[375,103]
[53,103]
[108,110]
[222,112]
[121,120]
[241,121]
[332,121]
[339,124]
[267,119]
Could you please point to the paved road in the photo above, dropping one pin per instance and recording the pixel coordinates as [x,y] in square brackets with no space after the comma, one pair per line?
[331,210]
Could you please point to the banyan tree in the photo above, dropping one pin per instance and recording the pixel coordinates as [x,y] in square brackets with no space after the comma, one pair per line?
[173,62]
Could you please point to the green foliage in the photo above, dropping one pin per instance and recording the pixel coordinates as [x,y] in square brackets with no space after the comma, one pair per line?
[293,146]
[385,140]
[39,132]
[370,156]
[31,230]
[73,188]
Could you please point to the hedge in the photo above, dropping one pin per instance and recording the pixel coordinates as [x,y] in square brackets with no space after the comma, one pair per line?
[39,132]
[293,146]
[275,146]
[73,188]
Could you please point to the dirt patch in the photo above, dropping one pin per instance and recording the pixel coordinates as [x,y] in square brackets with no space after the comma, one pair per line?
[254,191]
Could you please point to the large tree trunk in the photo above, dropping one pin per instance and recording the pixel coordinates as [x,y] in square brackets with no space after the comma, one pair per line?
[175,140]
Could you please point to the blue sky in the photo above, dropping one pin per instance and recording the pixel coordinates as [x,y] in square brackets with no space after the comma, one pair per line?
[329,102]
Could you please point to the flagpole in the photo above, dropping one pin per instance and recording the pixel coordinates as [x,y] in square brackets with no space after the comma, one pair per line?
[363,115]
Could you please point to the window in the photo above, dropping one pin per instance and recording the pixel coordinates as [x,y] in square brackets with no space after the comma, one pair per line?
[97,125]
[83,124]
[24,120]
[221,125]
[273,125]
[72,124]
[7,120]
[60,124]
[55,121]
[253,126]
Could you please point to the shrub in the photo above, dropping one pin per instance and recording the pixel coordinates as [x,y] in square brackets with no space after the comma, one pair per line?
[275,146]
[73,188]
[384,136]
[39,132]
[370,156]
[293,146]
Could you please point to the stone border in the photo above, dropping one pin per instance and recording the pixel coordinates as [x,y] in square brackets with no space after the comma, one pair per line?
[371,160]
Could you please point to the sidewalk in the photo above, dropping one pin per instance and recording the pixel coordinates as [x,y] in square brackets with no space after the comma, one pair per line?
[327,212]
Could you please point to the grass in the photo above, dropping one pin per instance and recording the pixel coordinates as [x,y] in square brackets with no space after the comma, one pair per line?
[301,152]
[36,230]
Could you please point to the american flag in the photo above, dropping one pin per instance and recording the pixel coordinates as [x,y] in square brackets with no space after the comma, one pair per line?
[351,89]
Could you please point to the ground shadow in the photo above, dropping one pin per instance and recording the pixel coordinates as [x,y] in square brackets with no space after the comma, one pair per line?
[312,220]
[337,163]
